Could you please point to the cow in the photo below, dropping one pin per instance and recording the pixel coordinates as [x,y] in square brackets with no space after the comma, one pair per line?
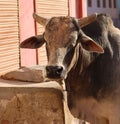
[85,54]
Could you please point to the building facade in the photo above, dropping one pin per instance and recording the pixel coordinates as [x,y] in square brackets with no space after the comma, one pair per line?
[109,7]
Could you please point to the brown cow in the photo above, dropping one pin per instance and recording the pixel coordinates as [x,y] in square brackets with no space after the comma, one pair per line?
[91,74]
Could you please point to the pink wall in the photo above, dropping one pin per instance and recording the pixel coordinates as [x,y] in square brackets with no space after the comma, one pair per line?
[82,8]
[78,8]
[73,8]
[27,29]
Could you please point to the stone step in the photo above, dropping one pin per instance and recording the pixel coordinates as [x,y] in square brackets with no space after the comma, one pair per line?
[28,102]
[31,103]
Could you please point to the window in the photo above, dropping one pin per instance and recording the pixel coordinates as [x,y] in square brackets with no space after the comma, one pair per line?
[104,3]
[98,3]
[114,3]
[89,3]
[110,3]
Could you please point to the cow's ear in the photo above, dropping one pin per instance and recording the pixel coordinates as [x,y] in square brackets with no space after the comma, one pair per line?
[90,45]
[33,42]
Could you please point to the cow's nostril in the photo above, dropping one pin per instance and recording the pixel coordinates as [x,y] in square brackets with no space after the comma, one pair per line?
[54,71]
[59,70]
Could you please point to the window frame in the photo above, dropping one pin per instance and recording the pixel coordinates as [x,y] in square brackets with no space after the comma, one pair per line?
[104,3]
[114,3]
[110,3]
[98,4]
[89,2]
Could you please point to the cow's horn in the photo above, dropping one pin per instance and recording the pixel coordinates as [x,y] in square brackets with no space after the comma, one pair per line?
[39,19]
[87,20]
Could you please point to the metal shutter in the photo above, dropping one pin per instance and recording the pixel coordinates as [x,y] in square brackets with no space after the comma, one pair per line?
[9,37]
[49,8]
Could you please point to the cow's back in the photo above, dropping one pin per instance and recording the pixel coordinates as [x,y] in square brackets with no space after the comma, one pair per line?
[106,67]
[96,90]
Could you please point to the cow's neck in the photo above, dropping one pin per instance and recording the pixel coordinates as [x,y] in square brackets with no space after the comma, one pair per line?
[79,76]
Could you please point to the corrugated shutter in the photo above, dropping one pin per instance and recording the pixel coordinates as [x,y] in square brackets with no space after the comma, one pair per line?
[9,37]
[49,8]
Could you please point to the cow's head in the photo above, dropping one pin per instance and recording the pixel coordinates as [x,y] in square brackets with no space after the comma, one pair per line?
[62,36]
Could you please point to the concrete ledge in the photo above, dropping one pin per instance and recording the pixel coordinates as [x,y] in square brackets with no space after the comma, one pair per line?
[25,103]
[15,83]
[30,74]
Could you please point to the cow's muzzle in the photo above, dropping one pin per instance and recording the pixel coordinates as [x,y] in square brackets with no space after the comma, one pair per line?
[54,72]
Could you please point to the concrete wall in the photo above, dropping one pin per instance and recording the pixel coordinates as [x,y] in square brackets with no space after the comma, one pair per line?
[25,103]
[33,103]
[31,100]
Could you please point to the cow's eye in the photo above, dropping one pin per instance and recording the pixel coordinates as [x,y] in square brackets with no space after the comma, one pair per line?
[73,43]
[72,40]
